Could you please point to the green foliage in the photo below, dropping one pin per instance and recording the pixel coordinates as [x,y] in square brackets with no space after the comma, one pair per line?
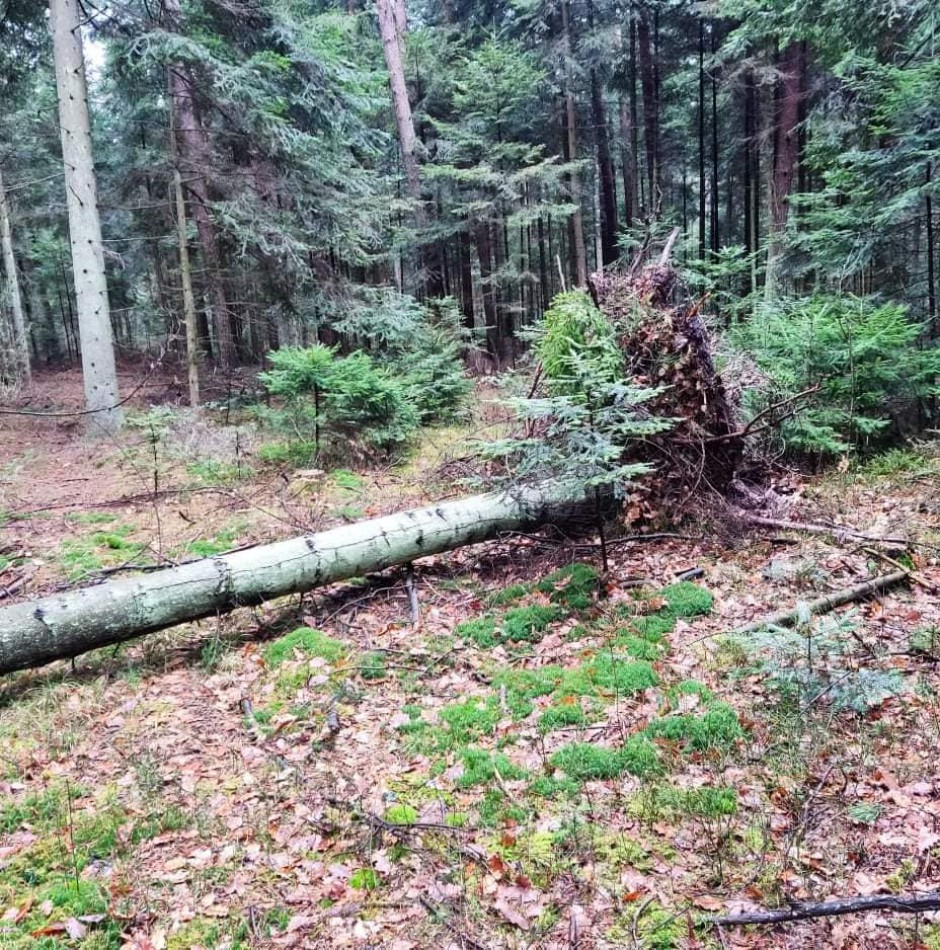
[585,761]
[481,630]
[574,586]
[470,720]
[578,348]
[865,813]
[862,355]
[401,814]
[608,673]
[294,454]
[521,687]
[562,716]
[372,666]
[527,623]
[480,768]
[547,786]
[417,345]
[589,418]
[667,802]
[508,595]
[814,660]
[687,600]
[365,879]
[519,624]
[306,641]
[716,730]
[338,400]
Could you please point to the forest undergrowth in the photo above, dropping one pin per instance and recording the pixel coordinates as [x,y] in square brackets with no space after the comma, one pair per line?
[542,757]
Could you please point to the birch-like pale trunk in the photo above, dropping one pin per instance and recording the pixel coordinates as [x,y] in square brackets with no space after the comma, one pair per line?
[189,302]
[20,339]
[91,288]
[70,623]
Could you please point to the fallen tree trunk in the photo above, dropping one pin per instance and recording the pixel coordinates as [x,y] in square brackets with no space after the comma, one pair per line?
[70,623]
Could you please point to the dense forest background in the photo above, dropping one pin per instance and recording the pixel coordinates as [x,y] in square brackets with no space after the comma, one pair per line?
[356,175]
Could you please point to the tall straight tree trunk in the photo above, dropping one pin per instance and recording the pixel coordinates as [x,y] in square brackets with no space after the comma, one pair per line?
[701,139]
[605,169]
[626,163]
[14,296]
[650,107]
[99,371]
[466,279]
[715,231]
[576,221]
[392,24]
[789,98]
[931,257]
[481,234]
[195,152]
[189,303]
[607,198]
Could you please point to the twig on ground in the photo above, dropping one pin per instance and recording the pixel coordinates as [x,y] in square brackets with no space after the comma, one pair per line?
[823,605]
[902,903]
[917,578]
[840,531]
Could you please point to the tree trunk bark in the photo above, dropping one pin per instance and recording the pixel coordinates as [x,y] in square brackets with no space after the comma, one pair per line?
[391,25]
[576,222]
[605,167]
[786,156]
[701,139]
[195,151]
[65,625]
[20,337]
[99,371]
[481,233]
[650,109]
[189,302]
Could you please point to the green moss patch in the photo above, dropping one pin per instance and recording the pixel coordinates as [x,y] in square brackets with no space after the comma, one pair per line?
[715,730]
[573,587]
[687,600]
[583,760]
[562,716]
[307,641]
[508,595]
[480,768]
[608,673]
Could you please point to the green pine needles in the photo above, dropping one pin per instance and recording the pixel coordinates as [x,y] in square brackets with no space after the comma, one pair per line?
[582,428]
[865,358]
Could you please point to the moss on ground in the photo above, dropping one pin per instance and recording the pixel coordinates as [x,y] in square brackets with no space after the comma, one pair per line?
[306,641]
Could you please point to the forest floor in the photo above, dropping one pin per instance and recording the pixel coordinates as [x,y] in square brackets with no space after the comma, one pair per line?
[528,765]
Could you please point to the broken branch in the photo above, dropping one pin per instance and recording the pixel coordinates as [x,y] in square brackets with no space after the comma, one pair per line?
[823,605]
[906,904]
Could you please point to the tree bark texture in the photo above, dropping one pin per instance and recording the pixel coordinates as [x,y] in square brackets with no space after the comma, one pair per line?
[650,108]
[67,624]
[189,302]
[575,222]
[605,168]
[91,288]
[14,295]
[391,25]
[786,132]
[195,152]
